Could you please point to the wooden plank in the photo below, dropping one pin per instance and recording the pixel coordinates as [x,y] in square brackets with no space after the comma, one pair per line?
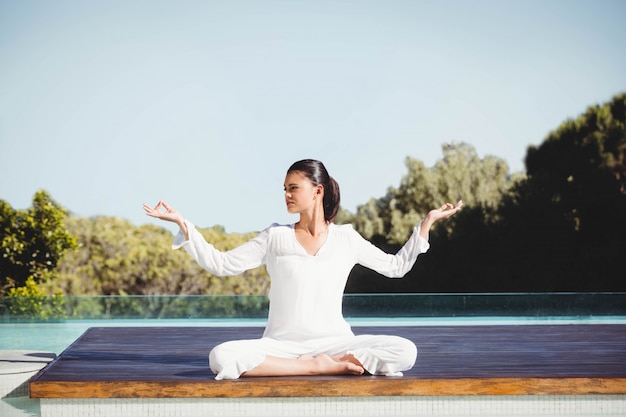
[316,387]
[114,362]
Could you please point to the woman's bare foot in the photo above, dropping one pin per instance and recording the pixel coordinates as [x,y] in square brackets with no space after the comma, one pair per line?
[347,364]
[307,364]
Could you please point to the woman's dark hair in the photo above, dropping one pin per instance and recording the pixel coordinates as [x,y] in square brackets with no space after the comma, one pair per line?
[316,172]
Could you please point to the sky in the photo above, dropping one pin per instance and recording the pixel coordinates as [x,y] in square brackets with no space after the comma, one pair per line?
[205,104]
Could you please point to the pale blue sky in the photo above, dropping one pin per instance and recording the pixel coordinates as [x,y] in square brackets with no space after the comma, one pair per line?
[205,104]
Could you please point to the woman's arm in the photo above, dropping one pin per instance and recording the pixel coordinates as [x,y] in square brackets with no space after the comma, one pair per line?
[233,262]
[397,265]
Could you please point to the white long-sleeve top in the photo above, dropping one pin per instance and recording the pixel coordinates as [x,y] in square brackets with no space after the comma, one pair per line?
[306,290]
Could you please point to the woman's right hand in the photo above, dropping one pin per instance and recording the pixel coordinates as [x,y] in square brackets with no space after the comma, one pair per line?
[163,211]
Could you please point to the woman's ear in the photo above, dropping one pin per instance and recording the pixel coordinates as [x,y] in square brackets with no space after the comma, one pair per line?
[319,190]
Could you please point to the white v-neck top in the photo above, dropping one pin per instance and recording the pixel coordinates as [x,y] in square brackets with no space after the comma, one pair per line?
[306,290]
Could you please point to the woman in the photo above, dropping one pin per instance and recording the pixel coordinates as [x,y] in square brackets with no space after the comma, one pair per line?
[309,263]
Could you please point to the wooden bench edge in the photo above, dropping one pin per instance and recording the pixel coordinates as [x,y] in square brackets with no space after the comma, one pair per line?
[346,387]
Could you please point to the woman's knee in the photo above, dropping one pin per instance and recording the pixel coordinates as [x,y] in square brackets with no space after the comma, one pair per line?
[214,354]
[407,352]
[220,354]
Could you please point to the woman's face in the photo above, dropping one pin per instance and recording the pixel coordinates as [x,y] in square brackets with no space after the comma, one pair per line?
[300,192]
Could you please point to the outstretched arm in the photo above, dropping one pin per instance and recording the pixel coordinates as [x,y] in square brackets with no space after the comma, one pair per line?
[221,263]
[442,213]
[163,211]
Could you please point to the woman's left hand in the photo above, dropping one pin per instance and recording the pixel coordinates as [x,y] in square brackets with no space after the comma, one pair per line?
[445,211]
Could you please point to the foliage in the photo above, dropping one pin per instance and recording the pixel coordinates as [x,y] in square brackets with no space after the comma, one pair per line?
[30,301]
[571,211]
[560,226]
[460,174]
[33,241]
[31,304]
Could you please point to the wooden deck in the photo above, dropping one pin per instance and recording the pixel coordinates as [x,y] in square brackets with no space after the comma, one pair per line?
[171,362]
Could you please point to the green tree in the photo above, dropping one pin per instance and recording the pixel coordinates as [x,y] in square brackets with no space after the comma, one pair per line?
[571,209]
[561,227]
[33,241]
[30,301]
[461,174]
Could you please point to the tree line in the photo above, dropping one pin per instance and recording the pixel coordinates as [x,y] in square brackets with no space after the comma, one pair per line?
[558,226]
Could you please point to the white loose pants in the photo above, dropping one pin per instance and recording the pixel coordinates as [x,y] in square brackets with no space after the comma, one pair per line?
[379,354]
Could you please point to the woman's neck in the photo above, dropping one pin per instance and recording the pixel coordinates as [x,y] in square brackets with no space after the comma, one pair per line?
[314,225]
